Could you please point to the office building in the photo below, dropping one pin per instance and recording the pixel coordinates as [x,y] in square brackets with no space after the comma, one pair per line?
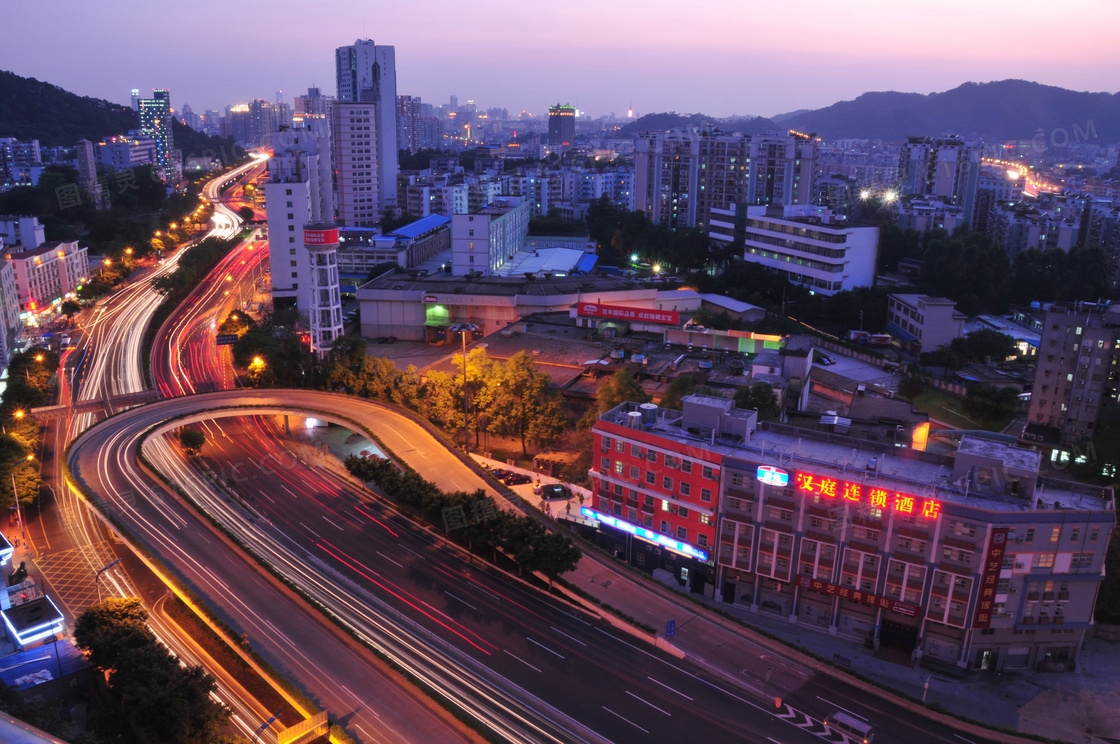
[1078,373]
[924,323]
[48,274]
[10,325]
[561,126]
[485,239]
[945,167]
[298,193]
[365,132]
[975,561]
[155,122]
[804,244]
[119,153]
[409,129]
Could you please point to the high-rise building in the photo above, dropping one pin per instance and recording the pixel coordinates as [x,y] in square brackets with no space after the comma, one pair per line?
[946,167]
[561,125]
[314,103]
[298,193]
[409,129]
[1078,372]
[87,173]
[135,99]
[365,132]
[155,122]
[682,175]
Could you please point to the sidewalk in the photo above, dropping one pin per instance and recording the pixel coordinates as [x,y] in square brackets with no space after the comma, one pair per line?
[1026,701]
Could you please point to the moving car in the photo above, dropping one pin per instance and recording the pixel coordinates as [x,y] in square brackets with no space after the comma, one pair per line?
[854,728]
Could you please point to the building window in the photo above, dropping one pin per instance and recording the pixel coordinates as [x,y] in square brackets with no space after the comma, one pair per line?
[686,489]
[651,456]
[1030,535]
[634,472]
[1082,560]
[620,446]
[1055,534]
[667,483]
[706,495]
[651,478]
[686,466]
[605,463]
[682,533]
[702,540]
[708,473]
[665,527]
[618,467]
[1043,560]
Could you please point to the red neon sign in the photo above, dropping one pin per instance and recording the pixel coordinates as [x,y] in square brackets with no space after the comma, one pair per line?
[620,312]
[877,498]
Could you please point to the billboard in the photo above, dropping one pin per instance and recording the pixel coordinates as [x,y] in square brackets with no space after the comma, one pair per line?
[327,236]
[621,312]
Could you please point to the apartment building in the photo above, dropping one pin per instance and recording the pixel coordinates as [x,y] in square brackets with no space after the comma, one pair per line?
[924,322]
[48,274]
[974,560]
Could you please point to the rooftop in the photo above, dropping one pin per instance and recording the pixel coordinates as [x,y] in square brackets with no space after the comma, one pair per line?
[504,286]
[906,470]
[44,248]
[421,226]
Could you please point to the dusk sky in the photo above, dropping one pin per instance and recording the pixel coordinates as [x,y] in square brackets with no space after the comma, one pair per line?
[719,57]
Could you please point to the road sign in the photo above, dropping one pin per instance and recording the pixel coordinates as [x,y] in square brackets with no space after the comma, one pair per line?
[670,627]
[227,339]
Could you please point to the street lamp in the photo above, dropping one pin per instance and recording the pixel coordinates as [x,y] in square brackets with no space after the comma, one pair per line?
[464,329]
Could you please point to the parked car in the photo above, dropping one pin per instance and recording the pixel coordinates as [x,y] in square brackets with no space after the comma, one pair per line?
[500,474]
[517,479]
[553,491]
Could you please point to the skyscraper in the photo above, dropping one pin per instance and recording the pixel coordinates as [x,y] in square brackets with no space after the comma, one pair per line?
[945,167]
[135,99]
[365,132]
[155,121]
[408,123]
[561,125]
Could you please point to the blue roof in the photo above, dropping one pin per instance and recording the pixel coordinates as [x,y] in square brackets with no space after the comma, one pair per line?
[26,669]
[586,262]
[421,226]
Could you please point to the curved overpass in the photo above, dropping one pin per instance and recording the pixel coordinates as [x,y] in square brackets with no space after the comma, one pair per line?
[104,460]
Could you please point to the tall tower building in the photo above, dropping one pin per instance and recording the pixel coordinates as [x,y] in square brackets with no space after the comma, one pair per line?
[135,99]
[561,125]
[155,121]
[87,173]
[944,167]
[325,313]
[365,132]
[408,123]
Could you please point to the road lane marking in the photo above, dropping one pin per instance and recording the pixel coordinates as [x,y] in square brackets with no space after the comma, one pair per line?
[546,648]
[849,712]
[389,559]
[670,689]
[410,550]
[523,661]
[568,636]
[970,741]
[335,525]
[625,719]
[289,490]
[313,532]
[468,604]
[649,704]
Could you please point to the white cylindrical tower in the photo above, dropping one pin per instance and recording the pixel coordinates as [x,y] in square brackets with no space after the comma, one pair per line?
[325,311]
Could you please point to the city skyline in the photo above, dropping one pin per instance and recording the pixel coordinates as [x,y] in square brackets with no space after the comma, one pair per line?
[805,59]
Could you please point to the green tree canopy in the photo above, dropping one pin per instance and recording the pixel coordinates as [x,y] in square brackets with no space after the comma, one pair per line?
[760,397]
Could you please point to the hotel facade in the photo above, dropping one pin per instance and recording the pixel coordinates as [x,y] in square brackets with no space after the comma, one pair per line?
[973,560]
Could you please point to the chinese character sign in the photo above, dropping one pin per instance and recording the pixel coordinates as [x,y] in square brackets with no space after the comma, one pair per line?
[989,580]
[868,495]
[621,312]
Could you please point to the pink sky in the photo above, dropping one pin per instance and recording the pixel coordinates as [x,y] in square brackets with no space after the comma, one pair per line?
[720,57]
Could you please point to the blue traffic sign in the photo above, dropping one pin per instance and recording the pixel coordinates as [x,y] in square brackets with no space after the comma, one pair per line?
[670,627]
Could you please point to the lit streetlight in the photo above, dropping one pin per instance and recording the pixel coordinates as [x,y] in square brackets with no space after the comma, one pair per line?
[464,329]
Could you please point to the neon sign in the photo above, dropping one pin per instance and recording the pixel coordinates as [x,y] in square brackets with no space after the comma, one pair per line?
[772,476]
[648,535]
[873,496]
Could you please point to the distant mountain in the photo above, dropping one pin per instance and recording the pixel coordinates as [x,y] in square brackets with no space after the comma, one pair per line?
[32,109]
[673,120]
[997,111]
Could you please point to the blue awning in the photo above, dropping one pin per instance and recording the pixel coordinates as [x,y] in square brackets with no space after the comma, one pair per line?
[586,263]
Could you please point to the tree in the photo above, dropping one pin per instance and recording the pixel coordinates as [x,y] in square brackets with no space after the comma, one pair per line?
[557,555]
[676,391]
[522,403]
[621,387]
[761,397]
[70,308]
[986,345]
[105,631]
[246,213]
[990,404]
[911,386]
[192,441]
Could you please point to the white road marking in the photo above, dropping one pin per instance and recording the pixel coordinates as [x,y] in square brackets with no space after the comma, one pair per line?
[670,689]
[649,704]
[568,636]
[523,661]
[388,558]
[332,523]
[625,719]
[541,645]
[313,532]
[468,604]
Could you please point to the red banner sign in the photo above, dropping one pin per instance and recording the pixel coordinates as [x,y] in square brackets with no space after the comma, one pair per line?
[989,578]
[855,595]
[620,312]
[321,237]
[869,495]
